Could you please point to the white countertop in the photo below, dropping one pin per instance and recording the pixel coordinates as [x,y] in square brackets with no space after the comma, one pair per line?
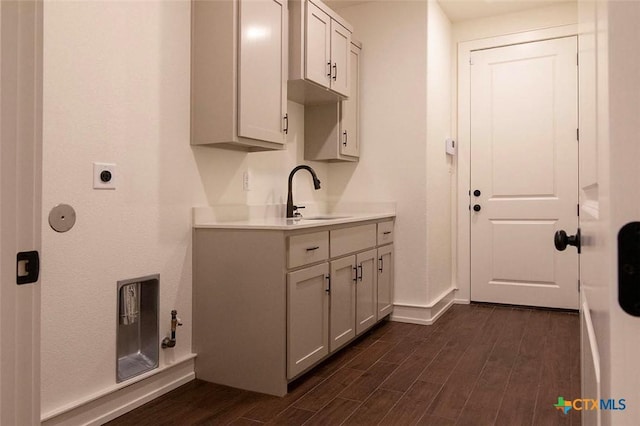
[281,223]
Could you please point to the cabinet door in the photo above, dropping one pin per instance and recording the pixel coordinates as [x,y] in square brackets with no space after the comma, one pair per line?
[350,109]
[385,281]
[342,324]
[340,61]
[318,46]
[307,318]
[262,70]
[366,293]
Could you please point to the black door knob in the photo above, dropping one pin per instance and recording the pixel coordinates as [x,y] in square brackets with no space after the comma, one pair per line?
[562,240]
[477,193]
[477,207]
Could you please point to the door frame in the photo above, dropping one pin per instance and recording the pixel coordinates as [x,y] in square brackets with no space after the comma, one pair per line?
[20,207]
[462,218]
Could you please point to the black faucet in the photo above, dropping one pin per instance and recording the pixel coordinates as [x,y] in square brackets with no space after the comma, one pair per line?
[316,184]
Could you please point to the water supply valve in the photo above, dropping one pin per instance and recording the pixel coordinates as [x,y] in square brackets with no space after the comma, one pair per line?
[170,342]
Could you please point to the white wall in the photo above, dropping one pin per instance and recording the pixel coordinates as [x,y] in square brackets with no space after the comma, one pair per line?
[221,171]
[393,131]
[405,117]
[440,167]
[116,89]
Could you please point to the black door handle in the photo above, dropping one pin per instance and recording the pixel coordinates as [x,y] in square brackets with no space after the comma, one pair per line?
[562,240]
[477,207]
[628,268]
[477,193]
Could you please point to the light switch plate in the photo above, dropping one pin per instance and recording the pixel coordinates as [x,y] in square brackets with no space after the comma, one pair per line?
[104,176]
[450,146]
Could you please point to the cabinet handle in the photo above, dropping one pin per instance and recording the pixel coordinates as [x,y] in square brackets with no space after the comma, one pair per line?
[313,248]
[329,73]
[386,232]
[335,71]
[355,274]
[286,124]
[381,267]
[328,289]
[360,267]
[344,142]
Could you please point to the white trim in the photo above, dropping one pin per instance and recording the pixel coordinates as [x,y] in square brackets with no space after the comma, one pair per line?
[590,361]
[123,397]
[20,208]
[423,314]
[463,229]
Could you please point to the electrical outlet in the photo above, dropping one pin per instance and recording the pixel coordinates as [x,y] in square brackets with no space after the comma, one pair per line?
[104,176]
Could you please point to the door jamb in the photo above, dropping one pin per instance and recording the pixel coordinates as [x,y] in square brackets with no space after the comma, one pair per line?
[21,207]
[462,237]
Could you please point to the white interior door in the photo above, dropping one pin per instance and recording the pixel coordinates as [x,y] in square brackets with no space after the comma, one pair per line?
[593,264]
[524,167]
[609,200]
[20,207]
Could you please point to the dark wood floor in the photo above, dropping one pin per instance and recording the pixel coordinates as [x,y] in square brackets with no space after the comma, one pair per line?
[478,365]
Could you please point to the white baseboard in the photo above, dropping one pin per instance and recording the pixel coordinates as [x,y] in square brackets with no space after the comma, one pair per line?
[112,404]
[424,314]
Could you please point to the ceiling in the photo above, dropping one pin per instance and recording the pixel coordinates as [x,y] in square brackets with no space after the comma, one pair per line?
[462,10]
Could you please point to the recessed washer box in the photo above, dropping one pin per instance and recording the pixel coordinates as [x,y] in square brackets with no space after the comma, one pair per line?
[137,348]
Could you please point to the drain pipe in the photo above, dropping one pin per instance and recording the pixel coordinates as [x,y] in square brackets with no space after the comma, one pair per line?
[170,342]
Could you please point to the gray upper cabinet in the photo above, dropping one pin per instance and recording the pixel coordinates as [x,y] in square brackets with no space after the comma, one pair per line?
[349,142]
[319,40]
[331,131]
[239,74]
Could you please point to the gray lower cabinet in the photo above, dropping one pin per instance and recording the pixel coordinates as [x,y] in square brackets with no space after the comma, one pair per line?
[366,293]
[385,280]
[307,317]
[268,305]
[342,320]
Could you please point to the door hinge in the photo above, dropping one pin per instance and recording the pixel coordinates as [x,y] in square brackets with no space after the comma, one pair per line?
[578,285]
[578,135]
[578,209]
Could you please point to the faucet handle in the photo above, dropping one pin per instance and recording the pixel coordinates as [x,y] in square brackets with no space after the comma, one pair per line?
[296,212]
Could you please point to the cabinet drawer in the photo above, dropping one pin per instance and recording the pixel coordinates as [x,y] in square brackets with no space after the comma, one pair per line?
[308,248]
[349,240]
[385,232]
